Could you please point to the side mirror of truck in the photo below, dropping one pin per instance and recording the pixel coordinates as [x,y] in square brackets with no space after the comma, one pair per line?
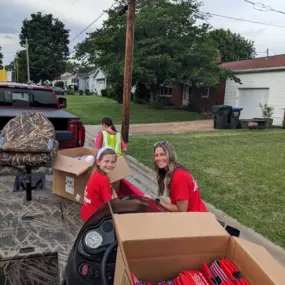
[62,103]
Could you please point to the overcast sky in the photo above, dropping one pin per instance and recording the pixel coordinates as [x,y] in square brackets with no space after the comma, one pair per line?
[77,14]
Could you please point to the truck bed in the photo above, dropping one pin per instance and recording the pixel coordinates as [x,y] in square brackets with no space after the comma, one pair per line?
[59,119]
[36,235]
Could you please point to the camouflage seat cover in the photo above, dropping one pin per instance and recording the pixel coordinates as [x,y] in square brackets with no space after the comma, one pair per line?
[29,132]
[29,158]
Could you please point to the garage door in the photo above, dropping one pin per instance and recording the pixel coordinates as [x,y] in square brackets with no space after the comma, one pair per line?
[100,85]
[249,99]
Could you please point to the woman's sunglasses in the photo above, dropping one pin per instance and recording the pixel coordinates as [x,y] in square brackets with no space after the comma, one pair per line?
[160,143]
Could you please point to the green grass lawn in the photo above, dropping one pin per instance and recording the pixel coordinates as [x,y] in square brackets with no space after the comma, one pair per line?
[91,109]
[239,172]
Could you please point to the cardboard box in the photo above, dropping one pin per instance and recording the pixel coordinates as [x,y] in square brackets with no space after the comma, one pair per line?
[70,175]
[158,246]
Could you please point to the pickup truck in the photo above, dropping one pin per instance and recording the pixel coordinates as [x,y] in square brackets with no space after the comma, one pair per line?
[16,98]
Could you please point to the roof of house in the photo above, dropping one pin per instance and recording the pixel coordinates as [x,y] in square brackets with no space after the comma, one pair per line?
[66,76]
[256,63]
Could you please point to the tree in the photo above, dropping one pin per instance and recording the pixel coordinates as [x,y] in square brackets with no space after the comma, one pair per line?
[22,65]
[169,46]
[10,66]
[232,46]
[48,46]
[71,67]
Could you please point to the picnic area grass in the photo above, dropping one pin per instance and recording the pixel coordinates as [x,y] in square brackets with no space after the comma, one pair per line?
[91,110]
[240,172]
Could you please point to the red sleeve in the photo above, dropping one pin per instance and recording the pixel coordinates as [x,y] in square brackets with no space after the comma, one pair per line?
[106,190]
[182,185]
[99,139]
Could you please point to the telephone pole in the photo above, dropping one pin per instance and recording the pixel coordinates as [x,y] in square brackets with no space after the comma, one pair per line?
[129,51]
[28,60]
[267,52]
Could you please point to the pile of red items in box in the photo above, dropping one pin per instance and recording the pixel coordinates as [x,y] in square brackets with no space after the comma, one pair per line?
[221,272]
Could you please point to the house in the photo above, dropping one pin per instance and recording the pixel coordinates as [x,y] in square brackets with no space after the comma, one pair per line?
[184,95]
[67,79]
[263,82]
[94,81]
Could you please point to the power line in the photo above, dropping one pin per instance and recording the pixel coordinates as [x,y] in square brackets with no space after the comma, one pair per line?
[243,20]
[91,24]
[263,8]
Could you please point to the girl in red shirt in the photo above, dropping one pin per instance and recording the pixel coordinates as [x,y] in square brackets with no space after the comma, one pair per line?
[98,189]
[182,188]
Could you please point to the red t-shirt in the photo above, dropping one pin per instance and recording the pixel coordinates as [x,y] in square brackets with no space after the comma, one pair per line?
[183,186]
[97,192]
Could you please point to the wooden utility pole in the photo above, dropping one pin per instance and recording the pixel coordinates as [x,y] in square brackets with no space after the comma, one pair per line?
[129,51]
[28,60]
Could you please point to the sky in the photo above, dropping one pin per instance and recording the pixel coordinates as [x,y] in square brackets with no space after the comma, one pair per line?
[78,14]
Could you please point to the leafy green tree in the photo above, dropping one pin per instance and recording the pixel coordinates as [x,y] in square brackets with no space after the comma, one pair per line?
[48,46]
[10,66]
[169,46]
[232,46]
[71,67]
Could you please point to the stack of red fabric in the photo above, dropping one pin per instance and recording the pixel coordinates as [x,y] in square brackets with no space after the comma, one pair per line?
[220,272]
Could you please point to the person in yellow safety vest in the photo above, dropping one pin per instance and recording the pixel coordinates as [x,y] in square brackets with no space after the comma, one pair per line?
[109,136]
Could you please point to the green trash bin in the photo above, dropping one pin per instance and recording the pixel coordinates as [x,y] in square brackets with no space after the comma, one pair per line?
[221,115]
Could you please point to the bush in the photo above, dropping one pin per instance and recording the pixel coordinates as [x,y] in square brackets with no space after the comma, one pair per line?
[70,91]
[267,111]
[142,94]
[81,92]
[104,93]
[87,91]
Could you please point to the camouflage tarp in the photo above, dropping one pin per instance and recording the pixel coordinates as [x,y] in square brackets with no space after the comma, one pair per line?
[32,159]
[28,132]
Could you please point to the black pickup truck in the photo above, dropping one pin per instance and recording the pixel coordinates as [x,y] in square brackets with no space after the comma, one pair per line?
[16,98]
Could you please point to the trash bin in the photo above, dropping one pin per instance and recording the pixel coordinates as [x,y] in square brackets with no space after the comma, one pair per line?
[221,116]
[234,118]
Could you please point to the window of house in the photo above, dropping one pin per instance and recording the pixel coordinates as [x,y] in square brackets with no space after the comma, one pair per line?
[165,91]
[205,93]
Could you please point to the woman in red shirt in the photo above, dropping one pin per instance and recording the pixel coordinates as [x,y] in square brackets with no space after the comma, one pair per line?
[98,189]
[174,178]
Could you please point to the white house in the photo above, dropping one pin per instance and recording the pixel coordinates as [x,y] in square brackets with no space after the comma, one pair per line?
[67,78]
[263,81]
[94,81]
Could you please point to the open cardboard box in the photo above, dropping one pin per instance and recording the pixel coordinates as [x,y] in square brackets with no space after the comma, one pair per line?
[157,246]
[70,175]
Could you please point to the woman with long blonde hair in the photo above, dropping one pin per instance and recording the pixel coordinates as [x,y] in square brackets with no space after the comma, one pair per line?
[176,181]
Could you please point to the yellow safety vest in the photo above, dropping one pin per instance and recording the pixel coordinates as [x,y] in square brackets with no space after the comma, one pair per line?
[113,141]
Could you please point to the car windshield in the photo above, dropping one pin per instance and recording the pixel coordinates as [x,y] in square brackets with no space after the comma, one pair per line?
[27,98]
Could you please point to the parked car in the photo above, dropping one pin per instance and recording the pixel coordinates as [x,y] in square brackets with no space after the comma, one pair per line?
[59,91]
[16,98]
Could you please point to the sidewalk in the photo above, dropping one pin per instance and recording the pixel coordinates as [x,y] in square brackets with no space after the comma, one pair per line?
[160,128]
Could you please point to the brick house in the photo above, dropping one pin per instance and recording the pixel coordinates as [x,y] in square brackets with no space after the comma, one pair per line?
[200,99]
